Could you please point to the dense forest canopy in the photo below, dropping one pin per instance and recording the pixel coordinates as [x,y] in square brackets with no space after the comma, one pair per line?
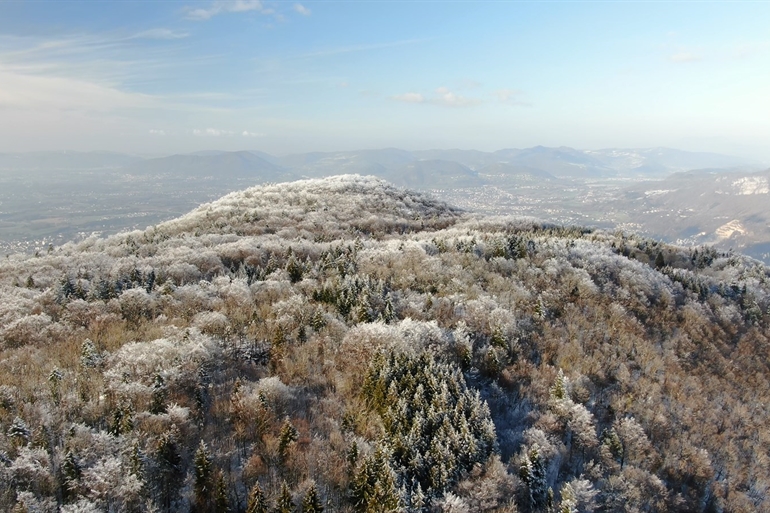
[345,345]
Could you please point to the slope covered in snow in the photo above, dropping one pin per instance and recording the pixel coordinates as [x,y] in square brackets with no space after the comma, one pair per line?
[346,343]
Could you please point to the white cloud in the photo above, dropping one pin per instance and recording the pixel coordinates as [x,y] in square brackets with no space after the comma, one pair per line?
[410,98]
[246,133]
[684,57]
[450,99]
[510,97]
[362,48]
[469,83]
[158,132]
[224,6]
[443,96]
[159,33]
[212,132]
[52,93]
[304,11]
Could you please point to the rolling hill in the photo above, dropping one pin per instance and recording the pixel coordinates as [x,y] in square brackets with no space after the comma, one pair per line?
[354,346]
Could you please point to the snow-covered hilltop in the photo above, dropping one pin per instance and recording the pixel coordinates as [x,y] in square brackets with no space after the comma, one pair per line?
[347,345]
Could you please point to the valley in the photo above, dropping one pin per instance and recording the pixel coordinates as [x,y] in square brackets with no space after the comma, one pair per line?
[675,196]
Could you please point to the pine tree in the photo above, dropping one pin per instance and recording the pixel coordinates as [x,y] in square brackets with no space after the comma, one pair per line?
[660,261]
[532,473]
[611,440]
[288,436]
[203,469]
[257,502]
[89,355]
[312,502]
[18,432]
[221,500]
[122,420]
[318,322]
[284,504]
[136,466]
[559,388]
[388,314]
[54,382]
[295,269]
[169,462]
[436,428]
[158,402]
[71,471]
[374,485]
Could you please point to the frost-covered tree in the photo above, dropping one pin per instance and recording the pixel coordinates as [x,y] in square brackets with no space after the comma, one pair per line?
[257,503]
[373,487]
[435,427]
[311,503]
[284,504]
[203,487]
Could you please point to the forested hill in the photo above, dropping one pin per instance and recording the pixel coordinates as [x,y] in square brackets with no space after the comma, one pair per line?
[345,345]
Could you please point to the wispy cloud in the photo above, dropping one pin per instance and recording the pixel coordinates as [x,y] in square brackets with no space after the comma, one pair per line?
[510,97]
[107,58]
[226,6]
[684,57]
[304,11]
[212,132]
[246,133]
[39,92]
[409,98]
[158,132]
[450,99]
[159,33]
[442,96]
[745,50]
[362,47]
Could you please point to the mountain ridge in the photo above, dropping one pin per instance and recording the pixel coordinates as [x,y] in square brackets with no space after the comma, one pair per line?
[332,333]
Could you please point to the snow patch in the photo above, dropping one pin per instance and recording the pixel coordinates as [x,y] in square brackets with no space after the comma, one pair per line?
[729,229]
[752,185]
[658,192]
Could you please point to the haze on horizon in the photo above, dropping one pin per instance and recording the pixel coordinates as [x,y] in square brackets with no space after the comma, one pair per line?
[283,77]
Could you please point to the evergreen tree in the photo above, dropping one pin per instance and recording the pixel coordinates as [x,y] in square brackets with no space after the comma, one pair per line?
[660,261]
[318,322]
[532,473]
[295,269]
[19,432]
[312,502]
[388,314]
[158,402]
[71,472]
[54,382]
[89,355]
[284,504]
[169,464]
[288,436]
[374,485]
[435,427]
[136,466]
[559,388]
[150,281]
[257,502]
[221,499]
[202,488]
[122,420]
[611,440]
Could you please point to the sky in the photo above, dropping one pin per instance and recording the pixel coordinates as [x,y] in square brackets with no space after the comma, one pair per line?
[161,77]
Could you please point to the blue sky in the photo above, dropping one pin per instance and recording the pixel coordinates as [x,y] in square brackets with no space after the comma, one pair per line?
[178,76]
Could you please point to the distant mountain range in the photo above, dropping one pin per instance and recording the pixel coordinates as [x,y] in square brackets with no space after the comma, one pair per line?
[727,209]
[398,166]
[675,195]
